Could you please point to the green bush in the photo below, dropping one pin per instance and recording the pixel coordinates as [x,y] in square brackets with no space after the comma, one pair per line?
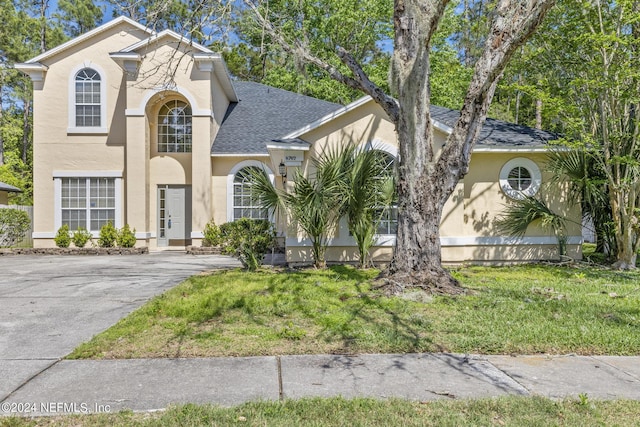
[14,225]
[63,238]
[248,240]
[126,238]
[80,237]
[212,236]
[108,236]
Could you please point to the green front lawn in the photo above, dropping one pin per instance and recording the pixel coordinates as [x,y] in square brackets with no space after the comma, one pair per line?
[511,310]
[511,411]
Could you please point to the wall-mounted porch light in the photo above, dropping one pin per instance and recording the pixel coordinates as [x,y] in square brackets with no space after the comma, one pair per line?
[282,170]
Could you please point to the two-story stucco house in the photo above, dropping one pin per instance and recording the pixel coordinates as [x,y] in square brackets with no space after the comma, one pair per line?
[149,129]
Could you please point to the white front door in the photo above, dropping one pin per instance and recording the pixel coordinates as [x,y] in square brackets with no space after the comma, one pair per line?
[174,215]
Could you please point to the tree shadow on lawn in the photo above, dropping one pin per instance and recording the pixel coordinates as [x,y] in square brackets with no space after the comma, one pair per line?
[339,308]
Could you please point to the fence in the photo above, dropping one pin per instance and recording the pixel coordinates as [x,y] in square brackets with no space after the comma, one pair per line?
[27,242]
[588,230]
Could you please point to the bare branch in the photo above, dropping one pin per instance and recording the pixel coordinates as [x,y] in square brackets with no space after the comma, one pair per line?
[360,81]
[388,103]
[514,22]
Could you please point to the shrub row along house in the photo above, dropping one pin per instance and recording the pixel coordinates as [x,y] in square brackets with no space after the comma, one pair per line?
[149,129]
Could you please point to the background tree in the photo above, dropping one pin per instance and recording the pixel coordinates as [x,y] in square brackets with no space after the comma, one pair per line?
[258,57]
[25,32]
[588,55]
[201,20]
[78,16]
[426,176]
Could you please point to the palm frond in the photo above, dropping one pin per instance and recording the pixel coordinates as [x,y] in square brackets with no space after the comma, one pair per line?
[519,214]
[263,192]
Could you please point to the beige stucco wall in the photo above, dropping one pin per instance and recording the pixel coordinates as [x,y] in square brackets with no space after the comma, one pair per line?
[4,198]
[221,168]
[204,93]
[54,148]
[468,227]
[129,145]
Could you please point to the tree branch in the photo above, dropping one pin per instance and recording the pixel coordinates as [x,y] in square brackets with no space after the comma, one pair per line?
[388,103]
[515,21]
[360,81]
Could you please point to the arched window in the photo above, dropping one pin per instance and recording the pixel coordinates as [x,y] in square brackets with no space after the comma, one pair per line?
[88,98]
[388,217]
[174,128]
[244,206]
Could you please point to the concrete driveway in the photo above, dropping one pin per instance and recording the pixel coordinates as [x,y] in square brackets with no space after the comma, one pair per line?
[50,304]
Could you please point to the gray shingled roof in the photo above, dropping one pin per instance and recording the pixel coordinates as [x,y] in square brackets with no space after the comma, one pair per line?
[264,114]
[498,132]
[10,188]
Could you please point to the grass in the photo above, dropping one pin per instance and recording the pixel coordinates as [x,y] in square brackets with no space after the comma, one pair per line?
[515,310]
[535,411]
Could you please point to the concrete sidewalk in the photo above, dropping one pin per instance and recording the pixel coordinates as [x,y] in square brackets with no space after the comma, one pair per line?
[68,386]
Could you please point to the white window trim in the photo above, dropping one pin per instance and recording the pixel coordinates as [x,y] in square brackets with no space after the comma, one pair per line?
[57,190]
[231,176]
[378,144]
[451,241]
[72,128]
[150,93]
[536,178]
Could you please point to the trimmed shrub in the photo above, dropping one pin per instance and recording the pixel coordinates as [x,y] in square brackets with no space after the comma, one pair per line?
[80,237]
[126,238]
[212,236]
[14,225]
[248,240]
[63,238]
[108,236]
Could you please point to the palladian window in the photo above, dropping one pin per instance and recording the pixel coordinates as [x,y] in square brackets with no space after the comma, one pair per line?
[174,128]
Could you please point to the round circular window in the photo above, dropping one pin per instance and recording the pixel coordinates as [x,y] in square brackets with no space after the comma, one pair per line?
[520,177]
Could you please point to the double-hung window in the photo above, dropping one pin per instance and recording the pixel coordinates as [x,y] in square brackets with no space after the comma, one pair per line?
[88,94]
[387,217]
[88,202]
[244,205]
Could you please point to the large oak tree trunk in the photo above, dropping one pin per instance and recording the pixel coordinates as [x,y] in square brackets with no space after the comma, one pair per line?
[428,174]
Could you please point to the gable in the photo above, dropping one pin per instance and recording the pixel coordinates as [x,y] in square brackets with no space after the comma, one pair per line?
[122,26]
[496,135]
[165,37]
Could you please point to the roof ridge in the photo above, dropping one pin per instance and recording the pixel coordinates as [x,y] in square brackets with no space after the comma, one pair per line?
[286,90]
[82,37]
